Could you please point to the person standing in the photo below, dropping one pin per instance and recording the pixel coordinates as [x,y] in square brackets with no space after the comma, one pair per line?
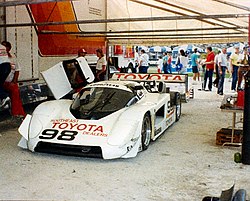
[169,62]
[5,69]
[194,62]
[82,52]
[11,85]
[165,62]
[222,67]
[160,65]
[78,81]
[182,62]
[101,65]
[137,59]
[243,67]
[209,69]
[143,64]
[234,64]
[216,67]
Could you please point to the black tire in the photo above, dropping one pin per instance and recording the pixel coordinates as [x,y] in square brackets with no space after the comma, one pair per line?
[178,107]
[146,131]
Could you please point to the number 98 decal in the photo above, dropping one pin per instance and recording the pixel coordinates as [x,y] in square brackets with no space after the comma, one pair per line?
[50,134]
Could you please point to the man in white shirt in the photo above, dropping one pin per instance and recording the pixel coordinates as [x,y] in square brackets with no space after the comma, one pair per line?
[11,85]
[101,65]
[143,65]
[222,66]
[216,67]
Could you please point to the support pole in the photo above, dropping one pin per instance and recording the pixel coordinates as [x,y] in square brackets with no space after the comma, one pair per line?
[249,30]
[246,123]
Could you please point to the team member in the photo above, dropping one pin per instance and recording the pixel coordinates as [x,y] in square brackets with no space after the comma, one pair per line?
[160,65]
[77,82]
[194,62]
[165,62]
[222,66]
[169,66]
[216,67]
[234,63]
[182,62]
[143,65]
[82,52]
[244,67]
[137,59]
[4,72]
[11,85]
[101,65]
[209,69]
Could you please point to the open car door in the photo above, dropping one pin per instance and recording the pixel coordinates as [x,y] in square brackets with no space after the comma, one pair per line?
[67,75]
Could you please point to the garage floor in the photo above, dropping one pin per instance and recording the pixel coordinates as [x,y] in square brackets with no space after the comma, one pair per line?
[184,164]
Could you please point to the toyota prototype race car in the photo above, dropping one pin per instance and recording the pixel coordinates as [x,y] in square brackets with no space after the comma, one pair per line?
[107,119]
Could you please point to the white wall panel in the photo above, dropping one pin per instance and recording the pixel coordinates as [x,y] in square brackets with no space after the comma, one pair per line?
[24,42]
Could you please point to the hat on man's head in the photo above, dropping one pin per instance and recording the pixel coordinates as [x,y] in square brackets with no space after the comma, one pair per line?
[82,51]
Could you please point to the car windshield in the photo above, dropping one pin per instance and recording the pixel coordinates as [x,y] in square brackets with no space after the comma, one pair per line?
[98,102]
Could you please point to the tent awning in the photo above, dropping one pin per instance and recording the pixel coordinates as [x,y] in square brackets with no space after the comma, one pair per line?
[151,22]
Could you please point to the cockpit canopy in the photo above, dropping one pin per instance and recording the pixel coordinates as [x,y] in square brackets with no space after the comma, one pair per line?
[98,102]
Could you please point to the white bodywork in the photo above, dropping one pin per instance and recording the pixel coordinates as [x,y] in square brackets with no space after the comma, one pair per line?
[117,135]
[176,82]
[57,80]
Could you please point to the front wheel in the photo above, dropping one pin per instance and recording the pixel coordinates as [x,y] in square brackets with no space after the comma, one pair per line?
[146,132]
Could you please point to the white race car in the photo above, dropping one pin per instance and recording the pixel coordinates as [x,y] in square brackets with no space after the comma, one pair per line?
[108,119]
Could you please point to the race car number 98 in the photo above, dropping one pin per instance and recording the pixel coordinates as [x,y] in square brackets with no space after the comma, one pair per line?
[50,134]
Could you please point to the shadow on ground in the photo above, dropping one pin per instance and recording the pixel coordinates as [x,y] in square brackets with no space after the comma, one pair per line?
[8,122]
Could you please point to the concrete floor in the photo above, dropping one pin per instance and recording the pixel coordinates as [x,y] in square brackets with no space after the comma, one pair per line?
[184,164]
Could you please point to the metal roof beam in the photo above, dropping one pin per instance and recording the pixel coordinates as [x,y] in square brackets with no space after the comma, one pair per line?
[27,2]
[167,10]
[177,35]
[143,31]
[185,9]
[179,38]
[119,20]
[146,35]
[161,35]
[233,5]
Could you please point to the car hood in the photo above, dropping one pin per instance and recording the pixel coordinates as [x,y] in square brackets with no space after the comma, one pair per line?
[47,124]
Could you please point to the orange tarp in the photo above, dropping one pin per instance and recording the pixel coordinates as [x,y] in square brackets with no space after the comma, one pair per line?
[61,44]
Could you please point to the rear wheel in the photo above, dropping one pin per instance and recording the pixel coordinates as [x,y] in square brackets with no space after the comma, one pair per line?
[178,107]
[146,132]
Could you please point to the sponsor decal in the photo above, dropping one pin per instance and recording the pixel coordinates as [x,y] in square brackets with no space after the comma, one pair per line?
[171,112]
[67,129]
[78,126]
[104,85]
[65,120]
[169,121]
[158,131]
[156,77]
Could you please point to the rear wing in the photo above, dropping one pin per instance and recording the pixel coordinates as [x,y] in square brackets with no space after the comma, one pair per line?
[169,78]
[181,79]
